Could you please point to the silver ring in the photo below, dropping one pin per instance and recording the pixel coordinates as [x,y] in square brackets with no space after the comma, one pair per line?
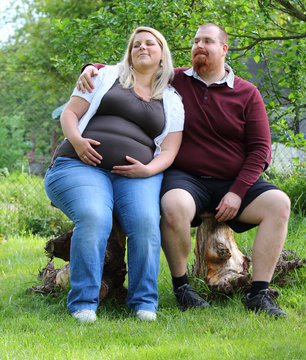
[85,157]
[80,82]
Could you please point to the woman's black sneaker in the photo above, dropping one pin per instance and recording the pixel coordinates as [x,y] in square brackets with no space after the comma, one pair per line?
[188,298]
[264,302]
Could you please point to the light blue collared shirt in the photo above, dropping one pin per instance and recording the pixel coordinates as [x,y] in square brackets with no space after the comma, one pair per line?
[229,78]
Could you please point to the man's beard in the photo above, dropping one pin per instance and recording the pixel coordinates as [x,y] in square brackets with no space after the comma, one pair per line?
[200,63]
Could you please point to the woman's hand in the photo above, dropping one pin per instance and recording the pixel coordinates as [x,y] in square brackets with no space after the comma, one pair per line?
[169,149]
[136,170]
[86,152]
[70,116]
[84,81]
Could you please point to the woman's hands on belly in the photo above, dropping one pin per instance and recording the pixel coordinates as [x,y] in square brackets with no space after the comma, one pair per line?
[135,170]
[86,152]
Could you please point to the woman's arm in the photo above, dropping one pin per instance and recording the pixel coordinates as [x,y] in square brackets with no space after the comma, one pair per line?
[72,113]
[169,149]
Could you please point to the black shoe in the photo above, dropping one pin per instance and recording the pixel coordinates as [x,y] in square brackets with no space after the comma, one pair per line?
[188,298]
[266,302]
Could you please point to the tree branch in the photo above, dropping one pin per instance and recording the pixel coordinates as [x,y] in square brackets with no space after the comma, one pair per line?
[291,10]
[262,39]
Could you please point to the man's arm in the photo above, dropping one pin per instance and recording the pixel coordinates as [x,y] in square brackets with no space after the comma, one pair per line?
[258,156]
[257,140]
[90,70]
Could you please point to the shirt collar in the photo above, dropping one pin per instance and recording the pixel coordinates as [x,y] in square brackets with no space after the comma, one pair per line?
[229,78]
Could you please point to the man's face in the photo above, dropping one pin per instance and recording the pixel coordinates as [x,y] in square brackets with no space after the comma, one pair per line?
[207,52]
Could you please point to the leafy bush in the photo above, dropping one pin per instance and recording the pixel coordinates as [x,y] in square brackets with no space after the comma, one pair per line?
[293,183]
[26,209]
[12,144]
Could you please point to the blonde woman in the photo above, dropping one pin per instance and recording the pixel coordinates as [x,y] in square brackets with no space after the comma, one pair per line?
[119,140]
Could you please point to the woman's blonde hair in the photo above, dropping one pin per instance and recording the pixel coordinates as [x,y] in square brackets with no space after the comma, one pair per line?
[162,77]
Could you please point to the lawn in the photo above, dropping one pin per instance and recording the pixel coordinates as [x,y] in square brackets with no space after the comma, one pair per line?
[38,327]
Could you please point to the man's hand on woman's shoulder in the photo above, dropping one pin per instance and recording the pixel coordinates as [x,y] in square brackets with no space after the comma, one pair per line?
[84,81]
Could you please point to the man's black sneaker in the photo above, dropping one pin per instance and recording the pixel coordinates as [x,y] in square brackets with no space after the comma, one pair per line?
[188,298]
[264,302]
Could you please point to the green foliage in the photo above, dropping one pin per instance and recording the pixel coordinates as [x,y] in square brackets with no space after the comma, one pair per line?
[287,136]
[25,111]
[12,142]
[26,209]
[97,37]
[293,184]
[257,30]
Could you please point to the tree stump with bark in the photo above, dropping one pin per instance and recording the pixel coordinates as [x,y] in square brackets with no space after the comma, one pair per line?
[114,270]
[218,260]
[223,266]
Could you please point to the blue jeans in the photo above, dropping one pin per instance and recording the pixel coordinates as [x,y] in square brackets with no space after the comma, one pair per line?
[88,195]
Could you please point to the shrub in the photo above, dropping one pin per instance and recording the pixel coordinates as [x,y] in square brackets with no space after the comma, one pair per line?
[25,208]
[293,183]
[12,144]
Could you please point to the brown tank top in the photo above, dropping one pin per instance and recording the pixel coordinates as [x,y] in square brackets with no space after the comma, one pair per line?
[124,124]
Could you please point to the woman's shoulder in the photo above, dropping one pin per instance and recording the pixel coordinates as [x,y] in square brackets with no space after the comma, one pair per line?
[108,69]
[107,73]
[173,104]
[170,91]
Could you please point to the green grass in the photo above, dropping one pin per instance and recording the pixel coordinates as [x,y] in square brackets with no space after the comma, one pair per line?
[38,327]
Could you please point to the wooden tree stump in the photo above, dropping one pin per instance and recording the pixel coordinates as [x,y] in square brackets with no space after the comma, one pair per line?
[114,270]
[218,260]
[224,267]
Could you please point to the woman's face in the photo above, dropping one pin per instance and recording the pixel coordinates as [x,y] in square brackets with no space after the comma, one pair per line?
[146,52]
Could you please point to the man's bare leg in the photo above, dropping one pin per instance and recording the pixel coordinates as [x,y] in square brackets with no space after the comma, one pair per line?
[178,210]
[271,210]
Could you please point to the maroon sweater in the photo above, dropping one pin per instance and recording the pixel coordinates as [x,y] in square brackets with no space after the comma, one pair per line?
[226,132]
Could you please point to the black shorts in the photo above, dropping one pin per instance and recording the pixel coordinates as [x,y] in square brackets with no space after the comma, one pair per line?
[207,192]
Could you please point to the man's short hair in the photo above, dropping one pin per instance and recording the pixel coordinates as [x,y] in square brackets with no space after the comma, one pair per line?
[222,33]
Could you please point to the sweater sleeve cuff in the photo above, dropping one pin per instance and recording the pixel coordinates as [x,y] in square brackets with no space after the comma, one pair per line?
[83,68]
[239,188]
[96,65]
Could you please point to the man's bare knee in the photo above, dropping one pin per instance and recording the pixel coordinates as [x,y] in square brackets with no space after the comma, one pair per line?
[285,206]
[279,206]
[272,204]
[177,206]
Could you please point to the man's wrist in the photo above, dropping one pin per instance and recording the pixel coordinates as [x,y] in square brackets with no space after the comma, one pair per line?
[85,66]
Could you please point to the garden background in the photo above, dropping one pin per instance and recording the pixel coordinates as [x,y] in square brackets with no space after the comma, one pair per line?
[39,64]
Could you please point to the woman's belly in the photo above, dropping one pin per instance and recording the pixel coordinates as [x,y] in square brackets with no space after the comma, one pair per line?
[119,138]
